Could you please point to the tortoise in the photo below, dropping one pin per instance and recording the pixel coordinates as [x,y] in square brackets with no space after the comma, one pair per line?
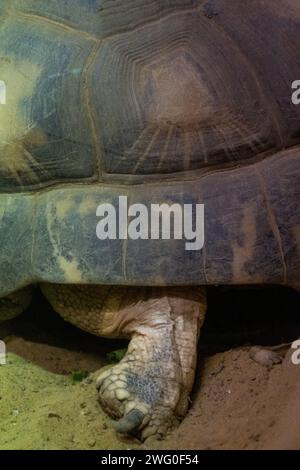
[176,102]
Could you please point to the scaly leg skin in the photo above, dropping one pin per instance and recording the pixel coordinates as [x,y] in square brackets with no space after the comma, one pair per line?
[14,304]
[148,391]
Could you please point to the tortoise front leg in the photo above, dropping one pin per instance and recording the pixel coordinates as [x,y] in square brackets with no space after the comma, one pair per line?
[148,390]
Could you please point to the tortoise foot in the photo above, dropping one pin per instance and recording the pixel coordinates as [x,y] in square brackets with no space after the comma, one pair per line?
[148,390]
[146,396]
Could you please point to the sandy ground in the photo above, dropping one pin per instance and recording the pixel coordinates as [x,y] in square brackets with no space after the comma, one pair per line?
[242,405]
[237,403]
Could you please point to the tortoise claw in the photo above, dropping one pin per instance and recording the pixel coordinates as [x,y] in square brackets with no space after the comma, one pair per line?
[130,423]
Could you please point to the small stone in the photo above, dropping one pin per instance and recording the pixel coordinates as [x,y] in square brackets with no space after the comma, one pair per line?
[265,357]
[218,369]
[92,443]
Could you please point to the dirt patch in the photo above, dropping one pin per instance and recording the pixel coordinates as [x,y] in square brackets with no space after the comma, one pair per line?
[41,410]
[242,405]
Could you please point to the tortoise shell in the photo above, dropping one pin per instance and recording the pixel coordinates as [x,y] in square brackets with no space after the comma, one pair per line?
[162,101]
